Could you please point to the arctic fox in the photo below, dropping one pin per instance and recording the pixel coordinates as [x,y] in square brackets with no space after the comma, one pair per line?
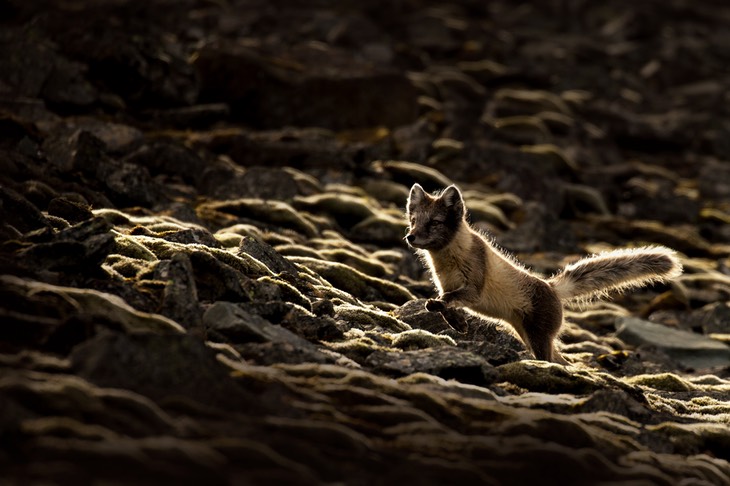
[469,271]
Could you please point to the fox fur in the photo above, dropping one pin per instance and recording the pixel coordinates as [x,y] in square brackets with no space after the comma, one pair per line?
[469,271]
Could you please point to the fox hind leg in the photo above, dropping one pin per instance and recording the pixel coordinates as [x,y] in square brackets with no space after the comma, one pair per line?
[541,325]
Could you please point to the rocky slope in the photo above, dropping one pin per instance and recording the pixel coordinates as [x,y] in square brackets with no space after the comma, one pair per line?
[203,278]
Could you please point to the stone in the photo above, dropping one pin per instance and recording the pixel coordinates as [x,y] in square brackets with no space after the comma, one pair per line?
[275,213]
[445,362]
[355,282]
[267,255]
[310,95]
[81,247]
[20,213]
[686,348]
[380,230]
[216,280]
[71,211]
[180,297]
[97,307]
[164,368]
[241,326]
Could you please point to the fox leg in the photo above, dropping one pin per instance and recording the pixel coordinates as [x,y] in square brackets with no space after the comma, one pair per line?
[542,323]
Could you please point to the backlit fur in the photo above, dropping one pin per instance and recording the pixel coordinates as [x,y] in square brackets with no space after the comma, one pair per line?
[468,270]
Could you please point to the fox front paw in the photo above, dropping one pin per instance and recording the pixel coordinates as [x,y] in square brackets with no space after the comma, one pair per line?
[435,305]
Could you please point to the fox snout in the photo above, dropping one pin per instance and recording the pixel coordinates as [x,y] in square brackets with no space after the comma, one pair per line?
[412,239]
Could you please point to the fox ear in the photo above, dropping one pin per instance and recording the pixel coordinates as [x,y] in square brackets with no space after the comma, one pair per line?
[452,198]
[416,196]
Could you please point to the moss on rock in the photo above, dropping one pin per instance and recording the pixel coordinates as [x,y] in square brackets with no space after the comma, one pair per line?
[420,339]
[368,318]
[355,282]
[541,376]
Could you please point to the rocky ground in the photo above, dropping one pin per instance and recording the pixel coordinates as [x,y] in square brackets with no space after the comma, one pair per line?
[203,273]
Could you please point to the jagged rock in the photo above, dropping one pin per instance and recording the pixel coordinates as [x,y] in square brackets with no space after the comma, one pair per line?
[163,368]
[689,349]
[273,289]
[266,254]
[414,313]
[216,280]
[80,247]
[130,184]
[355,282]
[446,362]
[169,157]
[364,263]
[276,213]
[93,306]
[239,325]
[408,173]
[180,297]
[111,411]
[20,213]
[368,318]
[70,210]
[419,339]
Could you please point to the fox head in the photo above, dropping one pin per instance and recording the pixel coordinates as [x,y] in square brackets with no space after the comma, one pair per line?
[433,220]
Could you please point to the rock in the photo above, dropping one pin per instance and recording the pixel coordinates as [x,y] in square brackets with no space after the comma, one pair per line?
[266,254]
[369,266]
[117,138]
[380,230]
[304,92]
[67,86]
[345,209]
[97,307]
[419,339]
[161,161]
[712,181]
[169,157]
[147,70]
[108,412]
[355,282]
[415,314]
[129,184]
[165,368]
[688,349]
[276,213]
[268,183]
[20,213]
[81,247]
[368,318]
[274,289]
[71,211]
[216,280]
[21,77]
[196,116]
[546,377]
[180,297]
[240,326]
[445,362]
[194,236]
[408,173]
[540,230]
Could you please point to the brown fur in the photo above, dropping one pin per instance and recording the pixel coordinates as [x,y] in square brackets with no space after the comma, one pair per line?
[469,271]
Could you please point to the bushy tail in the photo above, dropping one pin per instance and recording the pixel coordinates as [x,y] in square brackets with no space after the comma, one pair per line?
[616,270]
